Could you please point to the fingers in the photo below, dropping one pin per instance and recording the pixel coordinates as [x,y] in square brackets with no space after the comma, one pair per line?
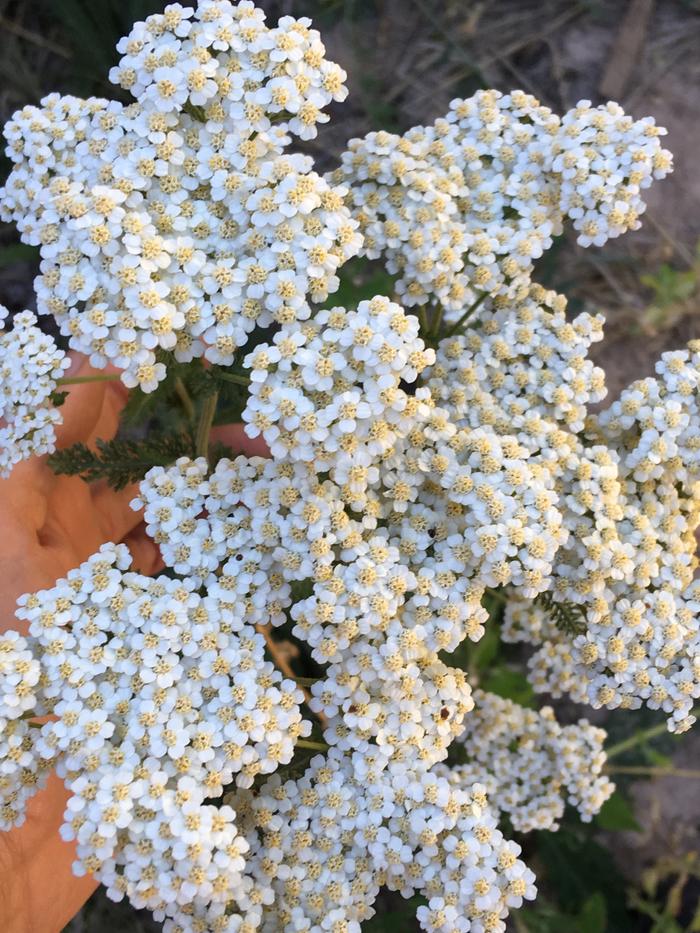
[82,406]
[114,515]
[114,399]
[144,551]
[234,436]
[24,497]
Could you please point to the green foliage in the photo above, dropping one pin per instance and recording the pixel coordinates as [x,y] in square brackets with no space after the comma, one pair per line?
[592,918]
[360,279]
[511,683]
[91,31]
[575,868]
[676,292]
[400,918]
[18,252]
[617,814]
[668,894]
[568,617]
[121,461]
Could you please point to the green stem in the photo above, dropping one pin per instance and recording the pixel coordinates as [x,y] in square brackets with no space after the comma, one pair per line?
[206,419]
[467,314]
[77,380]
[423,319]
[639,738]
[234,377]
[437,323]
[659,771]
[305,681]
[316,746]
[185,399]
[497,595]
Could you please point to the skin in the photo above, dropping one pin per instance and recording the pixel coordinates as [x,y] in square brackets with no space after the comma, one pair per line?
[48,525]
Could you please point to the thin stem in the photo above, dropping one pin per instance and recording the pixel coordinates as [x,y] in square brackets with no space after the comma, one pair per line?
[34,37]
[467,314]
[658,771]
[304,681]
[185,399]
[77,380]
[316,746]
[423,318]
[436,324]
[206,418]
[283,665]
[496,595]
[639,738]
[234,377]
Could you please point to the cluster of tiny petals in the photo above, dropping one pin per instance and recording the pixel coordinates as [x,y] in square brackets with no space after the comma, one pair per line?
[347,827]
[525,358]
[404,481]
[30,365]
[644,651]
[181,222]
[22,772]
[160,697]
[464,206]
[329,391]
[530,765]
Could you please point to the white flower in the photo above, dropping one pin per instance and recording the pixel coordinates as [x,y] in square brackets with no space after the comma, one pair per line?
[30,366]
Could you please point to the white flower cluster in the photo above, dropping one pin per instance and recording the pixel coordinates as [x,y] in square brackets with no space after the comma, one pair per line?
[159,698]
[413,467]
[329,392]
[523,370]
[345,829]
[22,771]
[632,503]
[181,222]
[465,206]
[30,365]
[531,766]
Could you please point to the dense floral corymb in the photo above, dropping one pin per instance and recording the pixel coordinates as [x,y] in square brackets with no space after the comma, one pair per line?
[30,366]
[182,221]
[421,467]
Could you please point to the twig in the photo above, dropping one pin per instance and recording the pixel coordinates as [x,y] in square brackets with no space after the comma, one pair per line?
[23,33]
[283,664]
[467,314]
[435,334]
[659,771]
[206,419]
[233,377]
[185,399]
[496,595]
[77,380]
[640,737]
[317,746]
[627,49]
[676,244]
[304,681]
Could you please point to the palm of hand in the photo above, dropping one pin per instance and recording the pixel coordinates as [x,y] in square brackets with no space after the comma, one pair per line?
[49,523]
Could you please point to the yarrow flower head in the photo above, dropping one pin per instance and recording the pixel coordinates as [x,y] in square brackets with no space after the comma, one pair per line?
[422,468]
[464,206]
[181,222]
[30,365]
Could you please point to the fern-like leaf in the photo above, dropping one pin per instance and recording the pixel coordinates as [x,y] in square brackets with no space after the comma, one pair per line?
[568,617]
[121,461]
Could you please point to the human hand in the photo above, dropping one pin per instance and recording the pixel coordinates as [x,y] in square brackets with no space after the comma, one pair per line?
[48,525]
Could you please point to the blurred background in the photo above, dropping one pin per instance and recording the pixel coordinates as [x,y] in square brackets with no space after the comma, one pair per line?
[636,869]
